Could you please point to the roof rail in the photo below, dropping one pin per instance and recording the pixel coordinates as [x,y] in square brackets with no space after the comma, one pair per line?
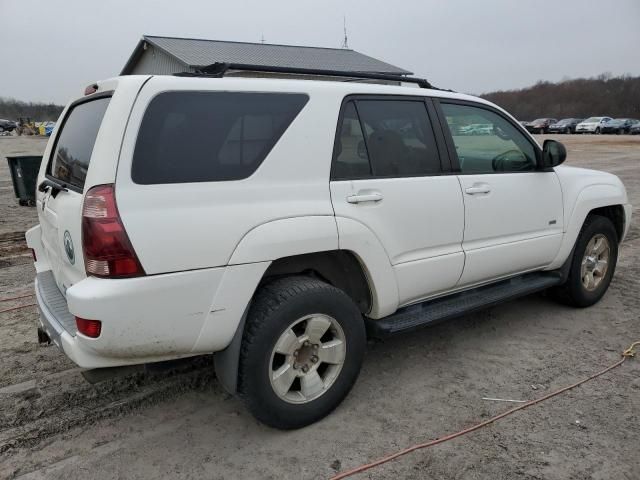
[219,69]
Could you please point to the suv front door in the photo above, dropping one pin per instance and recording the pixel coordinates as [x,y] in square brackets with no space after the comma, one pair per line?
[387,174]
[513,210]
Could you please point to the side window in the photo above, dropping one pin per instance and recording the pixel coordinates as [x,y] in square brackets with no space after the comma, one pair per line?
[399,138]
[210,136]
[486,142]
[350,153]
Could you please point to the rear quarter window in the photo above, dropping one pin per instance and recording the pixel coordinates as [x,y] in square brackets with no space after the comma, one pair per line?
[210,136]
[74,145]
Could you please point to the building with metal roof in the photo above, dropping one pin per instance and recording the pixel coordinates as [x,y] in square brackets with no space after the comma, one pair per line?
[169,55]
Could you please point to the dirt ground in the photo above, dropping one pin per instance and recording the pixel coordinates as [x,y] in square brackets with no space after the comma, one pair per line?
[180,424]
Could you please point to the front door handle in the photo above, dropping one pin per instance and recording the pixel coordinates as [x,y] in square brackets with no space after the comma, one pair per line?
[478,188]
[365,197]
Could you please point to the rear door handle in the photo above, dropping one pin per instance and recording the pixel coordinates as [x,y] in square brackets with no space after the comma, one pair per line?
[365,197]
[478,188]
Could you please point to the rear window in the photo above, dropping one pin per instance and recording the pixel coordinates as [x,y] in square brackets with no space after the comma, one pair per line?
[74,145]
[210,136]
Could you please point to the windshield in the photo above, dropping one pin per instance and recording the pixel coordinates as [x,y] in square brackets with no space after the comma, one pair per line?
[593,119]
[74,145]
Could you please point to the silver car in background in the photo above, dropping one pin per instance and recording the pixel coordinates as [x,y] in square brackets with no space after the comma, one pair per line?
[592,125]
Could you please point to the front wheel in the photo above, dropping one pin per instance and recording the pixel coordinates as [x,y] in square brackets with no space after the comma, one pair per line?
[593,263]
[597,130]
[301,351]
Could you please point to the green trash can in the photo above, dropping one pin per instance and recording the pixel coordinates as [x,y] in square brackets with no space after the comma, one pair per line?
[24,174]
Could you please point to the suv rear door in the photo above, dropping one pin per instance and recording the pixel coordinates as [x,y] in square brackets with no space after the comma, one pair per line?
[61,208]
[82,153]
[389,174]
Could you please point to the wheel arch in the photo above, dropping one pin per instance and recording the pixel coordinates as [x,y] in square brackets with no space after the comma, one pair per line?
[601,199]
[339,268]
[615,213]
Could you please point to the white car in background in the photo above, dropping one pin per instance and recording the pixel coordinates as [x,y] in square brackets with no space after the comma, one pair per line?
[277,223]
[592,125]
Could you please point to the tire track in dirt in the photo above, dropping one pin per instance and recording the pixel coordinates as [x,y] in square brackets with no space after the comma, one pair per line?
[52,405]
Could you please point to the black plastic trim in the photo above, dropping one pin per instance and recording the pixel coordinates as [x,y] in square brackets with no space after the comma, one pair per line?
[431,312]
[219,69]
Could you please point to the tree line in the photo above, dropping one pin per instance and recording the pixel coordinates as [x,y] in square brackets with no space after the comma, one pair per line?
[603,95]
[11,109]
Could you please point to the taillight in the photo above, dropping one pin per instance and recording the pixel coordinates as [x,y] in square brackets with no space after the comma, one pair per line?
[90,328]
[107,250]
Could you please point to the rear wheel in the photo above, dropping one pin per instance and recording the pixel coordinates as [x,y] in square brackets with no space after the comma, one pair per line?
[593,264]
[301,352]
[597,130]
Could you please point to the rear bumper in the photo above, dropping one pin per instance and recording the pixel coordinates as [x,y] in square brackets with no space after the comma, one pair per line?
[144,319]
[59,324]
[54,314]
[148,319]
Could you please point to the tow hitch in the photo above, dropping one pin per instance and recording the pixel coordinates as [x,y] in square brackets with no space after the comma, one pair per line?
[43,336]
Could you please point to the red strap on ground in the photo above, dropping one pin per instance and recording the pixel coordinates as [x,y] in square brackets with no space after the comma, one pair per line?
[348,473]
[17,308]
[16,298]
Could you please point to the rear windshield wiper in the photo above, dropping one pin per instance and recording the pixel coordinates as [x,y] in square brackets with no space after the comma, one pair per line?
[54,185]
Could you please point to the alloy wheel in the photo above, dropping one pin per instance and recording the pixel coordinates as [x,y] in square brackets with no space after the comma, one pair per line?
[595,262]
[307,358]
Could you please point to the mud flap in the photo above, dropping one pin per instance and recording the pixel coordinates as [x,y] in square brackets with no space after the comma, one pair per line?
[227,361]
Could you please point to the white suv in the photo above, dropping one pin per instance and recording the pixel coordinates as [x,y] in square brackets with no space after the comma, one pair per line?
[592,125]
[277,223]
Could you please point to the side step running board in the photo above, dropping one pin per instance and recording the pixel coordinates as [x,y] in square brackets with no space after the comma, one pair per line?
[434,311]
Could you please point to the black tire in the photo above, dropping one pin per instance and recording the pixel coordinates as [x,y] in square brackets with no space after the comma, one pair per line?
[573,292]
[275,307]
[597,130]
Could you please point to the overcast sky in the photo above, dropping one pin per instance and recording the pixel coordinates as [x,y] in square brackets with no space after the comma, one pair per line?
[49,50]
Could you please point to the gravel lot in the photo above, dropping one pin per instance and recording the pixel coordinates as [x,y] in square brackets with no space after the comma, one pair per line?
[180,424]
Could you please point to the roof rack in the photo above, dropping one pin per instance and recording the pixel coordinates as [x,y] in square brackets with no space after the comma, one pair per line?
[219,69]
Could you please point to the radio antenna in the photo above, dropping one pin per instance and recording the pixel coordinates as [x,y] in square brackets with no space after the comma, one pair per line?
[345,42]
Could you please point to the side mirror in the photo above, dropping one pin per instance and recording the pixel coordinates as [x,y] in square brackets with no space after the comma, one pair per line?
[553,154]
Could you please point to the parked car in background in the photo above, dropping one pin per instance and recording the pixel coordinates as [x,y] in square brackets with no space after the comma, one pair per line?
[540,125]
[635,129]
[476,129]
[7,125]
[566,125]
[524,123]
[619,125]
[592,125]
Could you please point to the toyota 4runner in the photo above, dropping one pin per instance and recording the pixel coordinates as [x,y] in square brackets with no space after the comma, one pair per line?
[277,223]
